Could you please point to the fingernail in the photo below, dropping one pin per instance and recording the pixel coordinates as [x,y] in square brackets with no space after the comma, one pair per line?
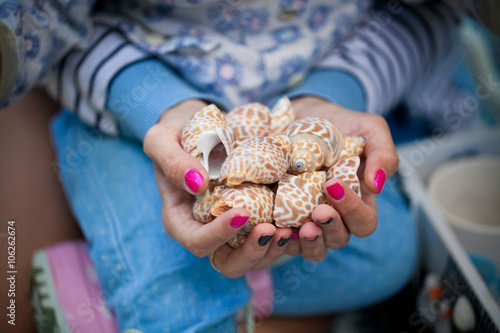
[295,236]
[264,240]
[284,241]
[311,239]
[379,180]
[336,191]
[330,220]
[238,221]
[193,180]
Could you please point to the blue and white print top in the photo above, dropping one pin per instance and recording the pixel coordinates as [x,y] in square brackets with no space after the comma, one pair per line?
[131,60]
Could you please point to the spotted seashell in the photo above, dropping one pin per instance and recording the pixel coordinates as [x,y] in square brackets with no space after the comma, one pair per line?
[237,240]
[296,198]
[346,170]
[206,137]
[203,205]
[249,120]
[282,116]
[353,146]
[317,178]
[260,160]
[315,143]
[257,199]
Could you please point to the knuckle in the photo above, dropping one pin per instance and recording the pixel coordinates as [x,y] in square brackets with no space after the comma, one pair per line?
[380,121]
[198,252]
[232,274]
[369,228]
[149,138]
[254,256]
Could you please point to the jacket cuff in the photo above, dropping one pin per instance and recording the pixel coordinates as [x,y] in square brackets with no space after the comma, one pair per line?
[334,85]
[142,91]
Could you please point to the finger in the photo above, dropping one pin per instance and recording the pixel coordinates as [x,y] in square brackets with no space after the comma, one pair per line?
[162,145]
[335,233]
[293,248]
[235,263]
[276,249]
[381,157]
[359,216]
[311,242]
[202,239]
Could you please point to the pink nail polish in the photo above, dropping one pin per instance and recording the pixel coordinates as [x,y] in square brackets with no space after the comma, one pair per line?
[379,180]
[193,180]
[238,221]
[336,191]
[295,236]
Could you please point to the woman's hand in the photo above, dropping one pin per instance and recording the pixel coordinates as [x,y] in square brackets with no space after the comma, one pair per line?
[179,175]
[331,228]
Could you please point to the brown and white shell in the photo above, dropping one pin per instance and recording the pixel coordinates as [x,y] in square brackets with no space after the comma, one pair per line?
[282,116]
[315,143]
[206,137]
[353,146]
[259,160]
[249,120]
[296,198]
[202,208]
[257,199]
[237,240]
[346,170]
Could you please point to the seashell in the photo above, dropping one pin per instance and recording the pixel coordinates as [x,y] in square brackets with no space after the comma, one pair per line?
[353,146]
[237,240]
[206,137]
[257,199]
[260,160]
[296,198]
[315,143]
[203,205]
[317,178]
[282,116]
[249,120]
[346,170]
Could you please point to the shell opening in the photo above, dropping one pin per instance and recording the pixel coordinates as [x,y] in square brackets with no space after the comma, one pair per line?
[212,153]
[220,209]
[302,161]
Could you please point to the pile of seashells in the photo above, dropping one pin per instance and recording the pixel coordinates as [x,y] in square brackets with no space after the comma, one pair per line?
[265,161]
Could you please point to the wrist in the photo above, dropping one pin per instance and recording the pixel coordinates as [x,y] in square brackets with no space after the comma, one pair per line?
[308,104]
[187,108]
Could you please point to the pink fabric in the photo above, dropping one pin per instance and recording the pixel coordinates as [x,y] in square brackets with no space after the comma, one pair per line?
[262,287]
[78,289]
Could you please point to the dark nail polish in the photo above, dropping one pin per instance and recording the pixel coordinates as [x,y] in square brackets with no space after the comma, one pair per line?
[313,239]
[283,241]
[330,220]
[264,240]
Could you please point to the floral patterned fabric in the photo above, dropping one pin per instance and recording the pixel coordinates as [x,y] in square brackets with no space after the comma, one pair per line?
[240,50]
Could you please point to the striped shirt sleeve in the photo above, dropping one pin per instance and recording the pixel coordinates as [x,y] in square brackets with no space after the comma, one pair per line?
[397,48]
[81,81]
[117,87]
[484,11]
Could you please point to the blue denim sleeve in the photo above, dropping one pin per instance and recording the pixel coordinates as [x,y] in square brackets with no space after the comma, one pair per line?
[334,85]
[141,92]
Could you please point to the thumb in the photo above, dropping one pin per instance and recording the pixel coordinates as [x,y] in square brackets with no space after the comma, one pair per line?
[162,145]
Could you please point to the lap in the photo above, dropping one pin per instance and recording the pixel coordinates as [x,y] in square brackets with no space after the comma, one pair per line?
[366,271]
[150,281]
[147,278]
